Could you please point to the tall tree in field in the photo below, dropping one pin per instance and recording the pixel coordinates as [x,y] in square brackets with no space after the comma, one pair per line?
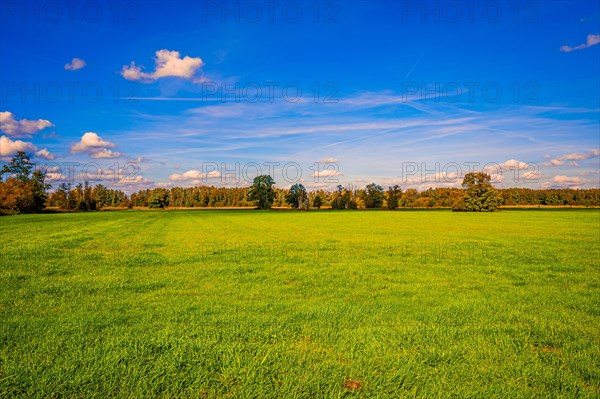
[39,188]
[480,195]
[262,192]
[393,197]
[296,196]
[373,196]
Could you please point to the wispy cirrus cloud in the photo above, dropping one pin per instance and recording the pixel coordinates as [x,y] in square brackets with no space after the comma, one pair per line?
[373,133]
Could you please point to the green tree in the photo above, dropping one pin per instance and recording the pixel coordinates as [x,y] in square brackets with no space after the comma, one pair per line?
[373,196]
[32,187]
[296,196]
[20,167]
[393,197]
[88,197]
[262,192]
[480,195]
[409,197]
[317,202]
[60,197]
[159,198]
[338,199]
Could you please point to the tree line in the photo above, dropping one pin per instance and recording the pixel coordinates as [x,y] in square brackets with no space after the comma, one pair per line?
[25,190]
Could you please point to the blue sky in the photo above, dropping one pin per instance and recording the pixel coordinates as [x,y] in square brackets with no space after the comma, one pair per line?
[410,94]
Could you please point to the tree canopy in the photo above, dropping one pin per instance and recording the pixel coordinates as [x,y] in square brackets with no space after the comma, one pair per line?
[262,191]
[480,195]
[24,190]
[373,196]
[296,196]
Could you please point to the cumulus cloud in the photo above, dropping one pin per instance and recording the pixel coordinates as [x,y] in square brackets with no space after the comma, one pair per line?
[439,179]
[592,40]
[567,180]
[517,169]
[573,157]
[522,170]
[530,175]
[75,64]
[513,164]
[9,147]
[55,176]
[45,154]
[93,145]
[21,128]
[194,175]
[167,63]
[105,154]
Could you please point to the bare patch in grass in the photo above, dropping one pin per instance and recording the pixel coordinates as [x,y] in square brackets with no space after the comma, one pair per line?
[353,385]
[545,349]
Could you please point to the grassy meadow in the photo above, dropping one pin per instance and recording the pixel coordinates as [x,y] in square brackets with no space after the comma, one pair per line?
[276,304]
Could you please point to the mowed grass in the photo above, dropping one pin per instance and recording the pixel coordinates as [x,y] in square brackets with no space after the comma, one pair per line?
[248,304]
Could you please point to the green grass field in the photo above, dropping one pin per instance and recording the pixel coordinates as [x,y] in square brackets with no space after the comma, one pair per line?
[247,304]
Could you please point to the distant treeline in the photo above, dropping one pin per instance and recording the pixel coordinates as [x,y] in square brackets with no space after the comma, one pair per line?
[25,190]
[84,197]
[350,198]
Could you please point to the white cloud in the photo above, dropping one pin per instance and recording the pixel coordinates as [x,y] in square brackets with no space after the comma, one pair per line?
[326,173]
[592,40]
[513,164]
[567,180]
[139,179]
[520,170]
[45,154]
[573,157]
[9,148]
[54,176]
[140,160]
[195,175]
[167,63]
[530,175]
[75,64]
[105,154]
[21,128]
[93,145]
[328,160]
[440,179]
